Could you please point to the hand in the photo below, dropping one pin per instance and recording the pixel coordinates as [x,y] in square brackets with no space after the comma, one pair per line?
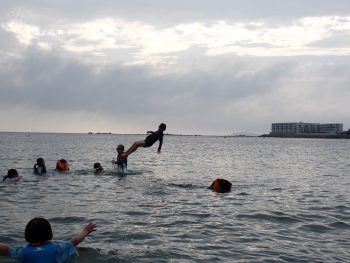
[5,250]
[91,227]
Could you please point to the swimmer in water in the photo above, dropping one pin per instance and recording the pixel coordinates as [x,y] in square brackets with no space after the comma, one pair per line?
[39,167]
[40,248]
[121,162]
[62,166]
[221,186]
[98,168]
[12,176]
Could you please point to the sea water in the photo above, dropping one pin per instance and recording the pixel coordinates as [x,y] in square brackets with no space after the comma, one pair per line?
[290,200]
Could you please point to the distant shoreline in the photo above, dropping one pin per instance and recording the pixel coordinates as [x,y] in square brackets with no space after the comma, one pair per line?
[110,133]
[314,136]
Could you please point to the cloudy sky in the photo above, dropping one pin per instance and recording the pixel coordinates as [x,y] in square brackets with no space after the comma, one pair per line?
[203,67]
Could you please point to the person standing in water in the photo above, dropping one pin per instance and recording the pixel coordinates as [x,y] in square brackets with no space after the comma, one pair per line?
[149,141]
[39,167]
[121,162]
[40,248]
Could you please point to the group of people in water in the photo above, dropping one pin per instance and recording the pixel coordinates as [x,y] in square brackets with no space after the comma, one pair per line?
[39,169]
[120,163]
[38,232]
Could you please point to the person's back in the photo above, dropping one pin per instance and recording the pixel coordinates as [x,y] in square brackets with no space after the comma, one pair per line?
[221,186]
[39,167]
[62,165]
[40,249]
[44,253]
[149,141]
[153,137]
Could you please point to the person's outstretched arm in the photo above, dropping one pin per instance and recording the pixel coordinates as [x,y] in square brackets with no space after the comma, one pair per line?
[84,233]
[160,144]
[5,249]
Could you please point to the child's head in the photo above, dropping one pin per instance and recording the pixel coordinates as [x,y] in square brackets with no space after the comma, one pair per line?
[12,173]
[120,148]
[162,127]
[40,161]
[38,230]
[221,186]
[97,166]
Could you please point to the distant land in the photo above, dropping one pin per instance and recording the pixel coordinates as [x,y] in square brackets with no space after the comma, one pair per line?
[308,130]
[245,134]
[342,135]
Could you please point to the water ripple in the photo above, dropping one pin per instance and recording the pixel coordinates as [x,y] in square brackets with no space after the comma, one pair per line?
[285,219]
[290,200]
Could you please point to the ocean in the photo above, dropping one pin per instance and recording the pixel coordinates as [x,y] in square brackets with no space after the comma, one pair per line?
[290,199]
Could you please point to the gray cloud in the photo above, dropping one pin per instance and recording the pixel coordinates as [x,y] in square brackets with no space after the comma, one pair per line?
[211,93]
[193,92]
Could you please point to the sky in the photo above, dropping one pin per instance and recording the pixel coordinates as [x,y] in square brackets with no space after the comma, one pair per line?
[202,67]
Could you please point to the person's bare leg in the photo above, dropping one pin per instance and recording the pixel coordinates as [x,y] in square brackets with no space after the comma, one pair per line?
[133,148]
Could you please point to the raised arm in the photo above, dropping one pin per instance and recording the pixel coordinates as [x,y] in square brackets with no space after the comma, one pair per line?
[160,143]
[5,249]
[84,233]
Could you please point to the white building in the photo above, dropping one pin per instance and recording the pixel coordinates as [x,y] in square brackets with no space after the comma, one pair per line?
[290,128]
[331,128]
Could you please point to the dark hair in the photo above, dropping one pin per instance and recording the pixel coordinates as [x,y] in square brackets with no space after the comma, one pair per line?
[12,173]
[38,230]
[121,146]
[162,126]
[39,160]
[97,166]
[225,185]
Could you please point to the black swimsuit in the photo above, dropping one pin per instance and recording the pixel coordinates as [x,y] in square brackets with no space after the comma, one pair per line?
[152,138]
[122,161]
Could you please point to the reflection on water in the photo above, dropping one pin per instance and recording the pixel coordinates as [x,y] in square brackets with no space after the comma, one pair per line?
[290,200]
